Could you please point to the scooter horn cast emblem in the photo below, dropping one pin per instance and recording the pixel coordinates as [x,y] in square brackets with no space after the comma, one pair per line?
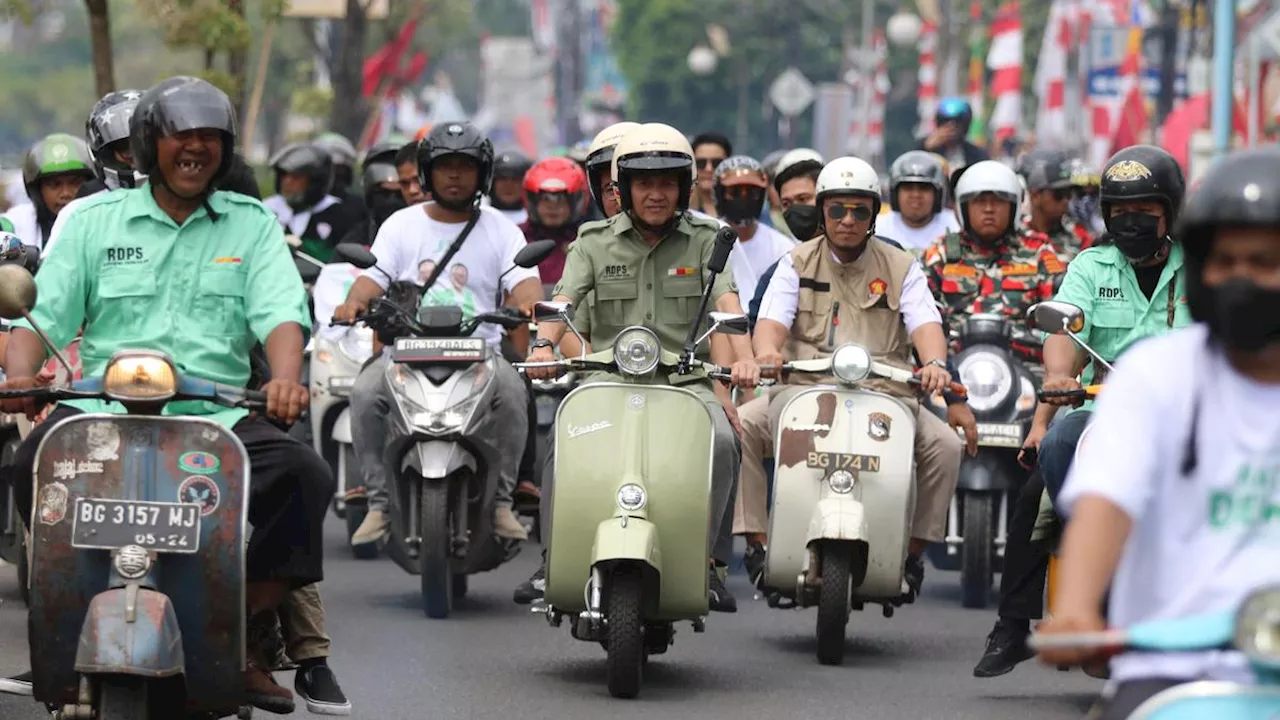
[878,426]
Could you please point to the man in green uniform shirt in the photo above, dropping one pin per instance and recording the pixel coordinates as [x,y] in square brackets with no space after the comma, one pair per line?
[200,276]
[647,266]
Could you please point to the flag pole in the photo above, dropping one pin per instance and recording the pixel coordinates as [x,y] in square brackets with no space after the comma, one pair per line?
[259,83]
[384,86]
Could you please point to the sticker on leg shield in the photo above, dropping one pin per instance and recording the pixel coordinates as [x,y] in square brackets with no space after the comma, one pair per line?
[202,491]
[201,463]
[53,503]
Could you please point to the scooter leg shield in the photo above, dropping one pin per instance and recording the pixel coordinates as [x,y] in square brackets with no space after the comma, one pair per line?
[627,539]
[131,631]
[342,427]
[837,518]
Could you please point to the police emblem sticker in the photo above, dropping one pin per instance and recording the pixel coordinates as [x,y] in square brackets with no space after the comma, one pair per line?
[1128,171]
[200,490]
[53,503]
[103,441]
[878,426]
[636,402]
[200,463]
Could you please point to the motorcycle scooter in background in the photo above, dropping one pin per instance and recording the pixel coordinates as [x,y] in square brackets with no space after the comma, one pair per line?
[999,363]
[443,470]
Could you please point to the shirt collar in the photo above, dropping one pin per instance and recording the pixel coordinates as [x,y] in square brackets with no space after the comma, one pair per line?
[141,203]
[1113,256]
[622,223]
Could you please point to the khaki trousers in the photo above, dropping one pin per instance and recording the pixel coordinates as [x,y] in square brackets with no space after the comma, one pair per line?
[938,450]
[302,624]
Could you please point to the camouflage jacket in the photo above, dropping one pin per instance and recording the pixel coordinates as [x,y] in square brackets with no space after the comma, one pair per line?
[1067,240]
[1004,279]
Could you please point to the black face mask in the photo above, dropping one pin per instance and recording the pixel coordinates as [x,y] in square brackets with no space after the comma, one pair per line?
[1243,316]
[740,211]
[1137,235]
[383,204]
[803,221]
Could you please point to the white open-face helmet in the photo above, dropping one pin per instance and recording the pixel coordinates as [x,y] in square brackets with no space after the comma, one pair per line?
[650,147]
[600,156]
[988,176]
[796,162]
[849,176]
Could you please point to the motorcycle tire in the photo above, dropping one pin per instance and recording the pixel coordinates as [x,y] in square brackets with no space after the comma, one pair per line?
[977,571]
[122,697]
[833,601]
[24,572]
[625,628]
[435,553]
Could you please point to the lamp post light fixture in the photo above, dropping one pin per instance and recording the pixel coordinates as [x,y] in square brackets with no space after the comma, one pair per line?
[703,60]
[904,28]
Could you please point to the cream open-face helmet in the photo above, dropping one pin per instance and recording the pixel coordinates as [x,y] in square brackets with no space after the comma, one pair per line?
[848,176]
[988,176]
[600,157]
[654,147]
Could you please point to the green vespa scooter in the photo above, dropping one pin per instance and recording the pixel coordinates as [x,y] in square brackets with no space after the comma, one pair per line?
[627,552]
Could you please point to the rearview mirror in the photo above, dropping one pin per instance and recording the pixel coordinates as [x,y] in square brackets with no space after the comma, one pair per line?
[1056,317]
[355,254]
[534,253]
[729,323]
[725,238]
[309,272]
[552,311]
[17,292]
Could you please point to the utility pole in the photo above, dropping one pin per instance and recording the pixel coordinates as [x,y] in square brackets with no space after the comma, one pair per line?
[1168,29]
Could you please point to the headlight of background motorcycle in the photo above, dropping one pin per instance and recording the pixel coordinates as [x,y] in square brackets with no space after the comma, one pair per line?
[851,363]
[357,345]
[141,377]
[636,351]
[434,411]
[988,378]
[1258,627]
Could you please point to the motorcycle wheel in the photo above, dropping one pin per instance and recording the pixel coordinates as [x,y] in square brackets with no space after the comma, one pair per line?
[625,659]
[355,512]
[833,602]
[121,697]
[976,571]
[437,537]
[24,572]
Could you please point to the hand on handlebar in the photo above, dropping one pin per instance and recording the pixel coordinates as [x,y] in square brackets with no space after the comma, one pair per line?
[542,355]
[745,374]
[348,311]
[934,379]
[1061,385]
[770,364]
[29,406]
[286,399]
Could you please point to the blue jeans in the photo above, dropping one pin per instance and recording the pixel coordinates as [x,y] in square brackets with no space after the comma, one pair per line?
[1058,448]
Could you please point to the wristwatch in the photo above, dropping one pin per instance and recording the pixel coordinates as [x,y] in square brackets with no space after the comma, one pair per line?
[937,363]
[541,343]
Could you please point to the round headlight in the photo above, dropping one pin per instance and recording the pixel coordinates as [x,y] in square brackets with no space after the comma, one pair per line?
[988,378]
[139,377]
[841,481]
[1258,627]
[851,363]
[631,497]
[636,351]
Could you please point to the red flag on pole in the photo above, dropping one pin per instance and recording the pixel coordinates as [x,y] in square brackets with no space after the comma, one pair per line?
[386,61]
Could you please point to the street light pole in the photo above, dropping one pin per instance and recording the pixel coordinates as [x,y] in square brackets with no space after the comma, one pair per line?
[1224,47]
[868,76]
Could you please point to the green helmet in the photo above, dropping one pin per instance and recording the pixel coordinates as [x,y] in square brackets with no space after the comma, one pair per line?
[55,154]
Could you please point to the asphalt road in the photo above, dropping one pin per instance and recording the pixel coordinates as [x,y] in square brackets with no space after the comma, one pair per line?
[494,659]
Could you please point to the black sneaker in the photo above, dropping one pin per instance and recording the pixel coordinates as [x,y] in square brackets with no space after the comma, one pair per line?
[1006,647]
[17,685]
[718,594]
[319,687]
[532,589]
[753,561]
[913,573]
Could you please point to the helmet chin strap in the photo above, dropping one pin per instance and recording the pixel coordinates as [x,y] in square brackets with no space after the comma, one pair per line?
[1164,246]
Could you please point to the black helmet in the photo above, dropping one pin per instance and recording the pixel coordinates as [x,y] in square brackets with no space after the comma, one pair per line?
[511,164]
[383,152]
[176,105]
[107,125]
[1046,170]
[1142,172]
[305,159]
[460,138]
[1238,191]
[918,166]
[343,156]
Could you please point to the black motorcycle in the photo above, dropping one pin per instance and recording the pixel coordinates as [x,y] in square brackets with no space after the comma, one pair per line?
[999,363]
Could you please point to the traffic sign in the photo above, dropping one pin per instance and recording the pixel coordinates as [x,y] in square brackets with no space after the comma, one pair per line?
[791,92]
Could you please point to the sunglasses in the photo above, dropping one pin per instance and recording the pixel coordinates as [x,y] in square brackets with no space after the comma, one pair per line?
[837,211]
[711,163]
[1063,193]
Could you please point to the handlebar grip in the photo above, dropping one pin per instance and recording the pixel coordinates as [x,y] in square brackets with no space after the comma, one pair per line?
[254,400]
[346,323]
[958,390]
[1076,394]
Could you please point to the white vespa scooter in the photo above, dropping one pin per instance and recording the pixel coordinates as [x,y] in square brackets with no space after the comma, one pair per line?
[844,495]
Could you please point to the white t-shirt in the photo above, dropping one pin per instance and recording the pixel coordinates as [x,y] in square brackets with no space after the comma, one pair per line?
[783,297]
[329,291]
[1199,544]
[297,222]
[25,226]
[410,242]
[891,226]
[750,258]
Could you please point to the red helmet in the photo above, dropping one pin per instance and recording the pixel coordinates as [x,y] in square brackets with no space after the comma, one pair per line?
[556,175]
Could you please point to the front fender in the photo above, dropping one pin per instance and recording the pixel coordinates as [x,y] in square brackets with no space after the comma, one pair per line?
[342,426]
[989,471]
[837,518]
[437,459]
[131,631]
[627,538]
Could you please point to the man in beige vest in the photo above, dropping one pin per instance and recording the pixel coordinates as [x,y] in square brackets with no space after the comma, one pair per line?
[840,288]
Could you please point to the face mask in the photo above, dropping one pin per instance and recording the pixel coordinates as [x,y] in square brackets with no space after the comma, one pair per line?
[1242,315]
[741,210]
[803,221]
[383,204]
[1137,235]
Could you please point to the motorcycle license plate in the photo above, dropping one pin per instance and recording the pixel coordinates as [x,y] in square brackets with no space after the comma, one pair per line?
[341,383]
[110,524]
[437,350]
[1006,435]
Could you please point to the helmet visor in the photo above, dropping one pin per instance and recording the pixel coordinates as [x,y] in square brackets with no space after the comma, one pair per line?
[194,113]
[655,161]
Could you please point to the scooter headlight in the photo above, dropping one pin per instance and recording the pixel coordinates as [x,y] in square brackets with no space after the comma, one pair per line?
[632,497]
[988,378]
[841,481]
[357,345]
[636,351]
[134,376]
[851,363]
[1258,627]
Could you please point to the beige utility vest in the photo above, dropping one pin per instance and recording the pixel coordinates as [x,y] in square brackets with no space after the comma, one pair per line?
[858,302]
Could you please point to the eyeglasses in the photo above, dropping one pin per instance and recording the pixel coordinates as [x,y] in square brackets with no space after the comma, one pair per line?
[837,211]
[710,163]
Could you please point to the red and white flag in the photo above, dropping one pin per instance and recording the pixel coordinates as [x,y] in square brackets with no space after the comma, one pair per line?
[927,100]
[1050,83]
[1004,60]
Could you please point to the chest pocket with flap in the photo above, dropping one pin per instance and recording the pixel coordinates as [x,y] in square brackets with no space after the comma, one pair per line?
[220,301]
[680,296]
[615,301]
[126,297]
